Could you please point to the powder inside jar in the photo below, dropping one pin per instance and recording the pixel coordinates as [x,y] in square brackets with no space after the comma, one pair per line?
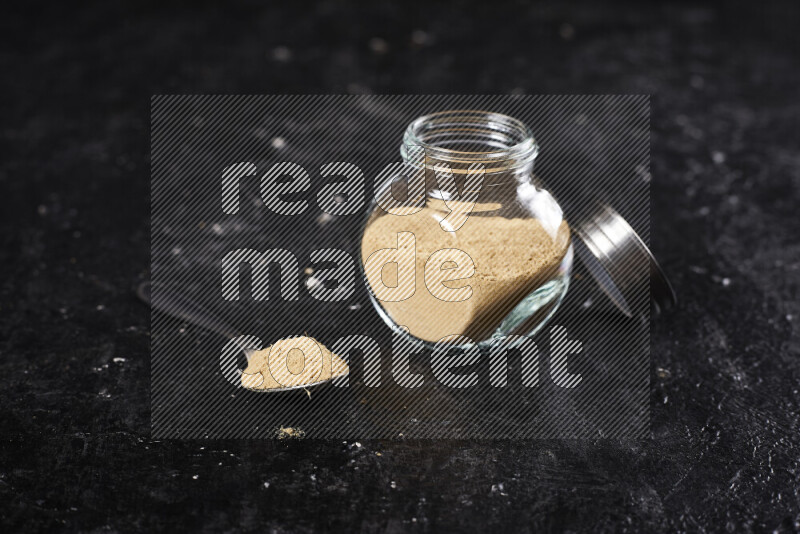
[512,258]
[292,362]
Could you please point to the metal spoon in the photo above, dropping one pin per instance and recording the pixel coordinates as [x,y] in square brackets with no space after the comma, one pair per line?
[171,301]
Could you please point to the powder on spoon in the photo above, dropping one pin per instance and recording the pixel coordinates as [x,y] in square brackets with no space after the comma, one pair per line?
[292,362]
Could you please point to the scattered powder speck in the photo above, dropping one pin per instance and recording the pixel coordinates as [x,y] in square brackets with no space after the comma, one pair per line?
[419,37]
[312,282]
[378,45]
[324,218]
[282,54]
[287,432]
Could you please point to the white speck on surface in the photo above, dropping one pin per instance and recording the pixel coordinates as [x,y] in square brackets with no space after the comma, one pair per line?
[119,360]
[789,317]
[217,229]
[499,488]
[195,477]
[378,45]
[42,210]
[100,307]
[104,394]
[419,37]
[282,54]
[354,307]
[324,218]
[724,281]
[644,173]
[312,282]
[355,88]
[313,478]
[718,157]
[278,143]
[587,304]
[705,210]
[266,485]
[176,251]
[308,271]
[393,484]
[566,31]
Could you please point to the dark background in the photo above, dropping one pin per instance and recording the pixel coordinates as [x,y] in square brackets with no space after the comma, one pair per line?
[75,451]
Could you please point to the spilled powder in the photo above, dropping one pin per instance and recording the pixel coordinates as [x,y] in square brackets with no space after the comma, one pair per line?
[292,362]
[512,258]
[288,432]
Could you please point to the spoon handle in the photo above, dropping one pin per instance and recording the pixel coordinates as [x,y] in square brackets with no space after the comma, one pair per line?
[172,301]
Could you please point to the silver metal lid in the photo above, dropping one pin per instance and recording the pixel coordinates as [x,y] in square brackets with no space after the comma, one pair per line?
[620,262]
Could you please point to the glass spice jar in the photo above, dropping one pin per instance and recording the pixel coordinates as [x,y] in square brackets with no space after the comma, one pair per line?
[474,246]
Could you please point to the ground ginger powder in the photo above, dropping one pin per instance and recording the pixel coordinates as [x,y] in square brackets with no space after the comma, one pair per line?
[512,258]
[292,362]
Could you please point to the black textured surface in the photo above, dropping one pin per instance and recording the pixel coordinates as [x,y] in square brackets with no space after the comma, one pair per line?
[75,452]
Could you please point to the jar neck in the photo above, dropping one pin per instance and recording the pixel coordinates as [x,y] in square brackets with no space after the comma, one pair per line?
[503,146]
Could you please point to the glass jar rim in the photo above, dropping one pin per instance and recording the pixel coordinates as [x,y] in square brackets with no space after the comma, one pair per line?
[506,139]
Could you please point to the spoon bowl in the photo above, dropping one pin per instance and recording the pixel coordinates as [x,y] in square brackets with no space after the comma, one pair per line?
[171,301]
